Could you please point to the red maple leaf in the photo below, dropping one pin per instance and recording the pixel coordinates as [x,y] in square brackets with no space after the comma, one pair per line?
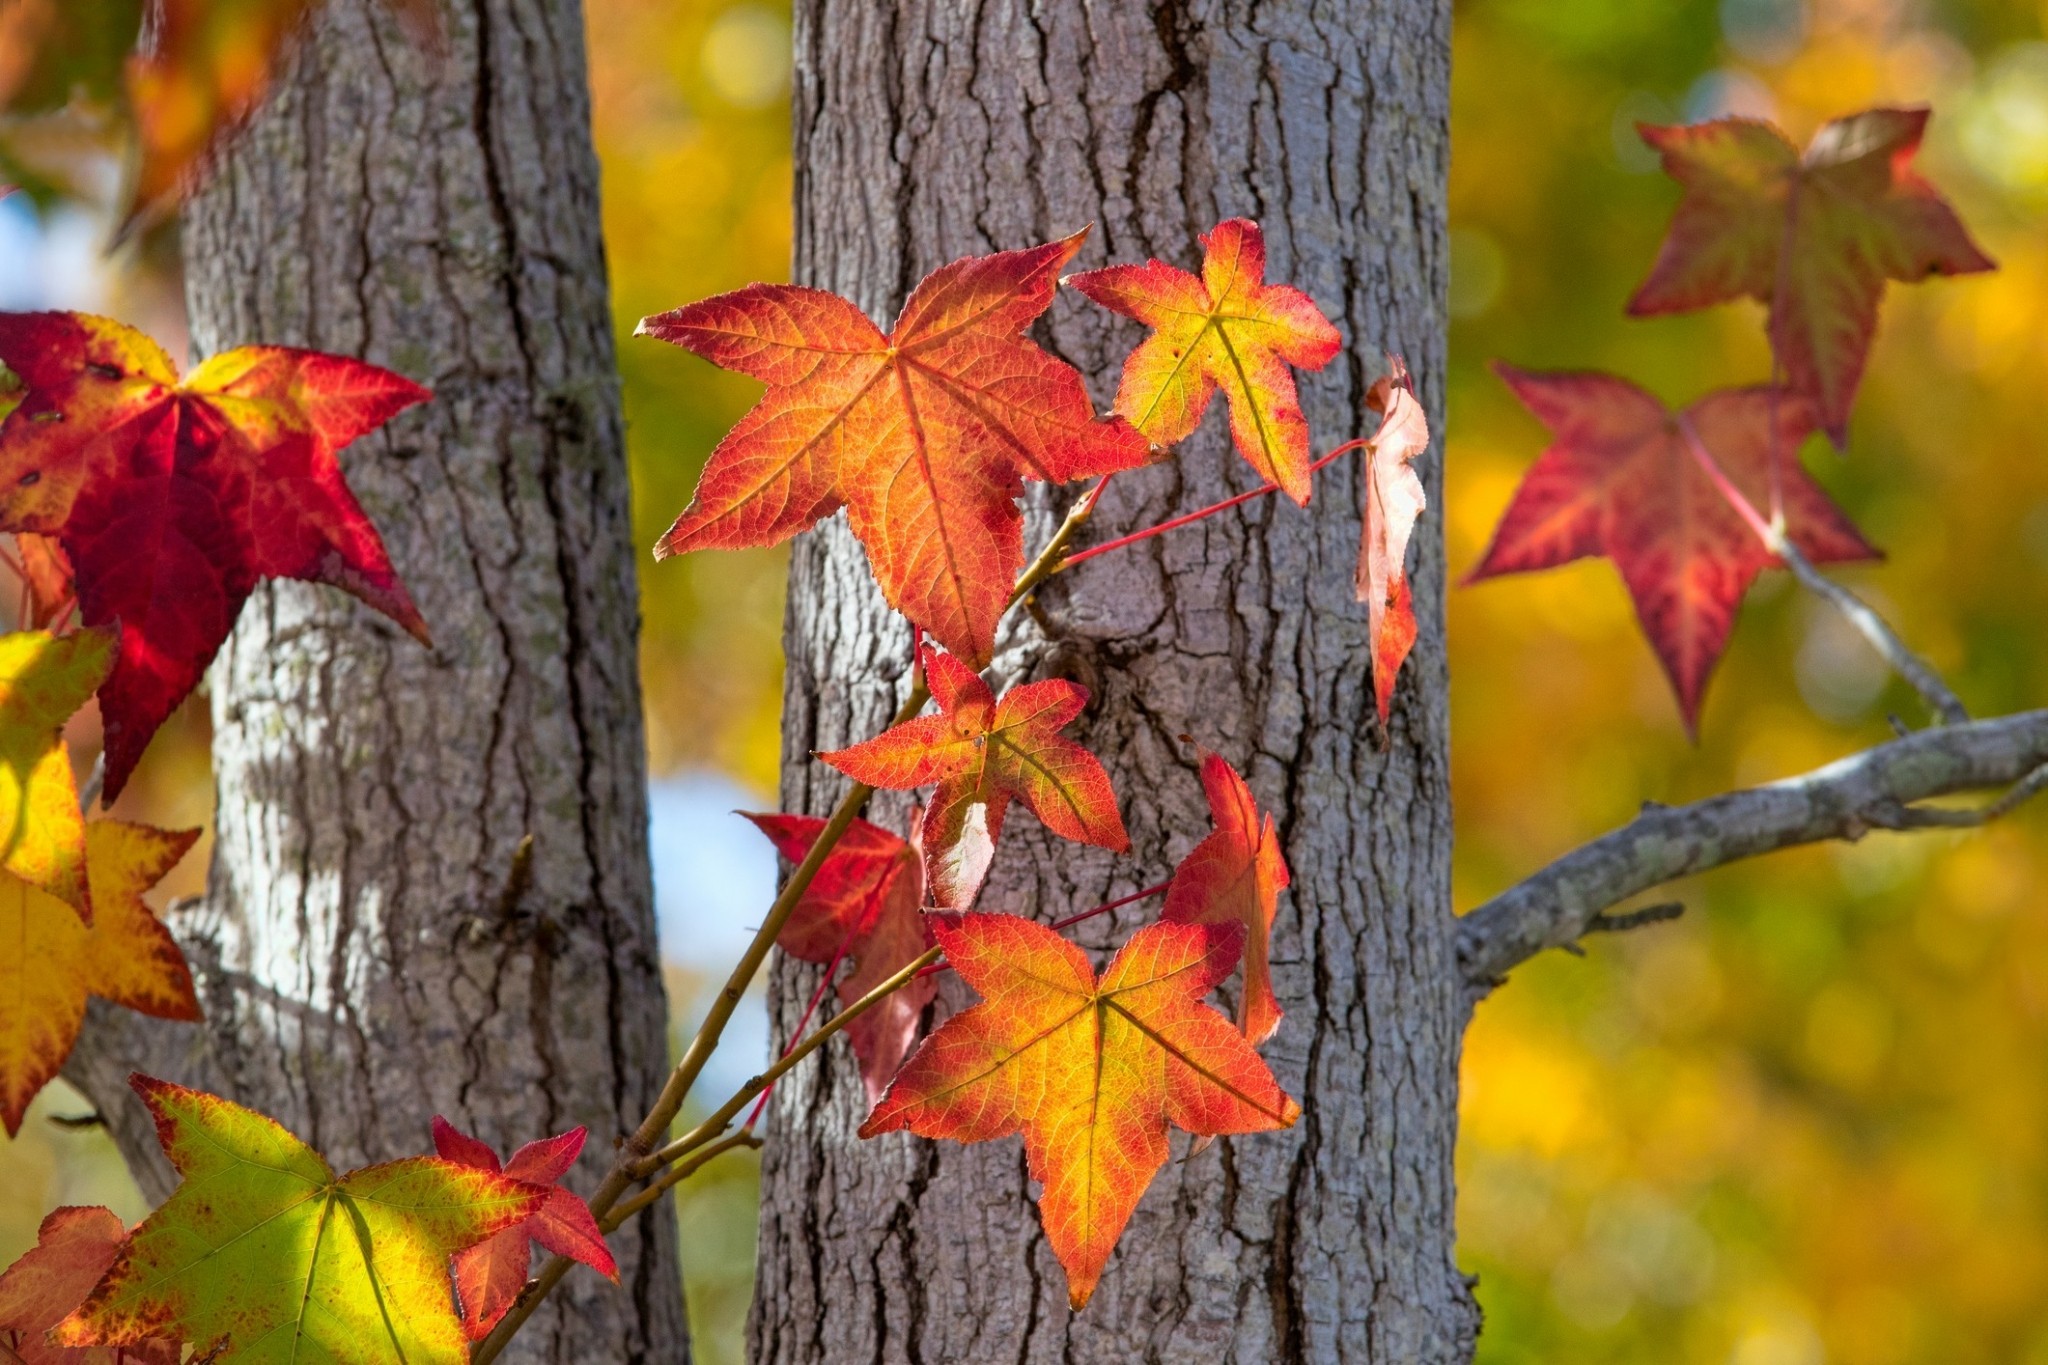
[866,903]
[1393,501]
[1235,876]
[173,499]
[74,1248]
[1622,478]
[1091,1070]
[924,435]
[1225,328]
[977,753]
[488,1276]
[1813,237]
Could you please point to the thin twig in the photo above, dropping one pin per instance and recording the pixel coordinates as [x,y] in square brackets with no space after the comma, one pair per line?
[677,1174]
[1919,675]
[95,782]
[1635,919]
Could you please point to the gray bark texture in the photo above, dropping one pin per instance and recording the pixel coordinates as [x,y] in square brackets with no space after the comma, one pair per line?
[929,129]
[372,950]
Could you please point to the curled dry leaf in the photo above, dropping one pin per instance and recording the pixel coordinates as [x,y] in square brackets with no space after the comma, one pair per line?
[263,1253]
[1812,236]
[1393,502]
[866,903]
[1225,328]
[489,1275]
[1621,478]
[53,962]
[924,435]
[977,754]
[1235,876]
[1091,1071]
[173,499]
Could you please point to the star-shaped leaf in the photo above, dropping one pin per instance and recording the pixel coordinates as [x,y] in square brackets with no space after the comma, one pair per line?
[174,499]
[73,1250]
[44,679]
[924,435]
[1622,478]
[1091,1071]
[1813,237]
[1225,328]
[1393,501]
[1235,876]
[866,903]
[977,753]
[53,962]
[264,1254]
[489,1275]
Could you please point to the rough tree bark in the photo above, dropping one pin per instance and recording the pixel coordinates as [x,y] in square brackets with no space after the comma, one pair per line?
[927,129]
[372,948]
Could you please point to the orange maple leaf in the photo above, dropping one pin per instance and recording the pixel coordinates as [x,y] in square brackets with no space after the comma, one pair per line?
[1393,501]
[1622,478]
[44,680]
[977,753]
[173,498]
[924,435]
[1813,237]
[1235,876]
[54,962]
[866,902]
[1091,1071]
[1224,328]
[74,1248]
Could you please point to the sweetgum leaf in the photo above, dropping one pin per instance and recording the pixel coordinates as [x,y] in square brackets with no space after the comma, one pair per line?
[1393,501]
[489,1275]
[173,499]
[865,902]
[73,1249]
[1812,236]
[54,962]
[264,1254]
[1091,1071]
[44,679]
[1235,876]
[924,435]
[978,753]
[1620,479]
[1228,328]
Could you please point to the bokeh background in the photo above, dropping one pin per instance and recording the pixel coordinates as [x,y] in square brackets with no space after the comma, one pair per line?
[1806,1123]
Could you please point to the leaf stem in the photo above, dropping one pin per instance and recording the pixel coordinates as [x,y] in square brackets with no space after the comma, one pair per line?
[1918,674]
[1191,518]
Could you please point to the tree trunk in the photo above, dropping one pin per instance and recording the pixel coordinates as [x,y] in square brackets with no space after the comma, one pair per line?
[926,130]
[373,949]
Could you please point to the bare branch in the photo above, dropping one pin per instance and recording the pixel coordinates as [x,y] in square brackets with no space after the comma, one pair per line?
[1880,788]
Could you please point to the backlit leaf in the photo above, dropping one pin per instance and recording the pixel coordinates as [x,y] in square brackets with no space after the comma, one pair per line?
[1235,876]
[924,435]
[73,1249]
[1620,479]
[1811,236]
[174,499]
[1225,328]
[44,679]
[264,1254]
[977,753]
[488,1276]
[866,902]
[51,962]
[1091,1071]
